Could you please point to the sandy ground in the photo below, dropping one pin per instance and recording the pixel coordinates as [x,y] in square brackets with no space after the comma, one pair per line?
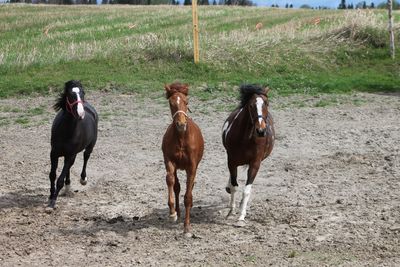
[328,195]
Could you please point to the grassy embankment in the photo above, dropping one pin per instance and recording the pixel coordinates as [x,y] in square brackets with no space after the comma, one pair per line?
[138,49]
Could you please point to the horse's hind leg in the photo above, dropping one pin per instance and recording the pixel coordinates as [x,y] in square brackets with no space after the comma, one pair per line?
[231,188]
[86,156]
[251,175]
[52,177]
[170,179]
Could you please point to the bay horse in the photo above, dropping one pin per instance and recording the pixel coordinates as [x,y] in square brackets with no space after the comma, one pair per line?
[74,129]
[182,147]
[248,136]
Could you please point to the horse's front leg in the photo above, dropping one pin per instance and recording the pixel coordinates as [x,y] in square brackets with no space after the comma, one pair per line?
[86,156]
[68,179]
[251,175]
[191,175]
[60,181]
[170,179]
[231,188]
[177,190]
[53,176]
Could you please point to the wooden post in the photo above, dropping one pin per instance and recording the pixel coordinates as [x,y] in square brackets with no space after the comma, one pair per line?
[390,7]
[195,32]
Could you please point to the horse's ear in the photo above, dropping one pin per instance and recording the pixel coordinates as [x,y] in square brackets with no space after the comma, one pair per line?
[167,91]
[266,90]
[185,89]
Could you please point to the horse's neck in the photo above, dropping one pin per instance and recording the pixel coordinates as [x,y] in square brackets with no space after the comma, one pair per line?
[246,118]
[70,121]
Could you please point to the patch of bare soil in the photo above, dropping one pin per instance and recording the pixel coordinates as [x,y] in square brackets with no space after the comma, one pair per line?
[328,195]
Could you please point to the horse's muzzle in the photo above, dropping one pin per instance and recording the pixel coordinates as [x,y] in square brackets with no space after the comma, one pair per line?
[180,126]
[261,132]
[80,111]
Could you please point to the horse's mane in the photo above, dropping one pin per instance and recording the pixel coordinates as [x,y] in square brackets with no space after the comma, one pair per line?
[247,90]
[61,100]
[176,87]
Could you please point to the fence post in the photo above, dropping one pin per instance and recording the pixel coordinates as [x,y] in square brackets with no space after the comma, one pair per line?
[390,7]
[195,32]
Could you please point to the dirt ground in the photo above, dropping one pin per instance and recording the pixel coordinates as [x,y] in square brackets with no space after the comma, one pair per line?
[329,195]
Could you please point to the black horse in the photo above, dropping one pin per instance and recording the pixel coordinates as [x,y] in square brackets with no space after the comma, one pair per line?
[74,129]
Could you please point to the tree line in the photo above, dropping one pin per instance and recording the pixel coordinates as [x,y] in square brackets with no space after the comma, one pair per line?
[363,5]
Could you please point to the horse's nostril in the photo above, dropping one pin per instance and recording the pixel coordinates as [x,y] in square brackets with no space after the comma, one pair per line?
[261,131]
[181,125]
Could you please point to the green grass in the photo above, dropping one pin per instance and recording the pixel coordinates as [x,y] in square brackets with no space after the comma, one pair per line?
[137,49]
[22,120]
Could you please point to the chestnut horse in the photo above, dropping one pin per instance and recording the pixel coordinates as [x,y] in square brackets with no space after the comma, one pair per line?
[183,147]
[248,137]
[74,129]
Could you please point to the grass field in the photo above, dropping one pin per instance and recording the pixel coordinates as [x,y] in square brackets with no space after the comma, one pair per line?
[140,48]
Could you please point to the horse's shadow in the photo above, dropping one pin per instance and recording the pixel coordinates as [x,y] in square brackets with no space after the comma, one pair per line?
[158,218]
[21,199]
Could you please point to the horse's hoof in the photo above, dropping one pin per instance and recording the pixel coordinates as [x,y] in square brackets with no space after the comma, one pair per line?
[49,210]
[240,223]
[51,206]
[173,217]
[83,181]
[67,191]
[188,235]
[231,213]
[228,190]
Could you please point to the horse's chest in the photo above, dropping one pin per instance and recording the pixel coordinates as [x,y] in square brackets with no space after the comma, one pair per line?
[180,154]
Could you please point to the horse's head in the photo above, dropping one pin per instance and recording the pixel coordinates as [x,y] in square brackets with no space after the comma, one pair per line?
[176,94]
[257,105]
[74,98]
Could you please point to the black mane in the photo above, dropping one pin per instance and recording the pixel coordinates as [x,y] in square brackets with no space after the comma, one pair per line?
[247,90]
[61,100]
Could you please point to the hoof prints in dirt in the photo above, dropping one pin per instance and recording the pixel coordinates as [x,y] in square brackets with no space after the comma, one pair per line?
[328,195]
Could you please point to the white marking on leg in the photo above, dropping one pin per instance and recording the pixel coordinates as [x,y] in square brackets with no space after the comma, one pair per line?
[173,217]
[245,200]
[232,203]
[260,103]
[80,109]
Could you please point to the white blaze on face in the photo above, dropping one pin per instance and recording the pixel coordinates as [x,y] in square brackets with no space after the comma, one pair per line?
[80,109]
[259,103]
[178,99]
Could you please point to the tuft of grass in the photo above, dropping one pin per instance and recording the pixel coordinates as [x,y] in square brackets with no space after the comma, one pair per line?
[36,111]
[22,120]
[292,254]
[251,258]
